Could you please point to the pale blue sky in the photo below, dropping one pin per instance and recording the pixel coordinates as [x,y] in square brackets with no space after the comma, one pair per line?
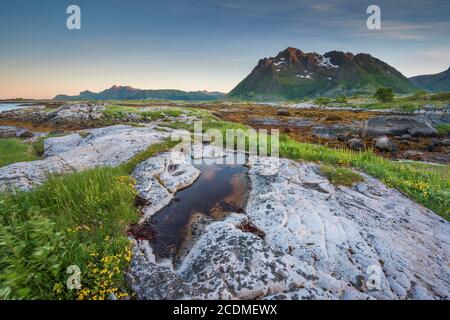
[201,44]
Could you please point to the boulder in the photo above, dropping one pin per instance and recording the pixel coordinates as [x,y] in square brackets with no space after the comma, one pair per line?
[366,242]
[13,131]
[332,118]
[57,132]
[436,143]
[26,134]
[445,142]
[343,137]
[28,114]
[405,136]
[397,126]
[283,112]
[383,143]
[8,131]
[77,114]
[82,114]
[413,155]
[356,144]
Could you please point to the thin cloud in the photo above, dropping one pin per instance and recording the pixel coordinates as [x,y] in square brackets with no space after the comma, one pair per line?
[399,30]
[322,7]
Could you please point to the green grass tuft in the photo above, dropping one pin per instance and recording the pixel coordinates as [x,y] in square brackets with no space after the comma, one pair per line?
[151,151]
[79,219]
[71,220]
[340,176]
[443,129]
[14,150]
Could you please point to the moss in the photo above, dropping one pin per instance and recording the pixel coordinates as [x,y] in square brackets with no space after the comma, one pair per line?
[340,176]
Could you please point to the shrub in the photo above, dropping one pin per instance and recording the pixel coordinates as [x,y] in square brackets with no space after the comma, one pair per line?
[384,94]
[419,94]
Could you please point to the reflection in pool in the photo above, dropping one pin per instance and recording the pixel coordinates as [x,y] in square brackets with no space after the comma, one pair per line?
[220,189]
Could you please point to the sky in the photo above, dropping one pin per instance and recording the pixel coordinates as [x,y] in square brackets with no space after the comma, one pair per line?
[201,44]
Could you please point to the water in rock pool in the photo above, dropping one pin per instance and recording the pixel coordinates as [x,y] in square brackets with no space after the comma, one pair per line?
[220,189]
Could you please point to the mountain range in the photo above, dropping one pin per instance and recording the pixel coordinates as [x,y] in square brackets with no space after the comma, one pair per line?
[294,74]
[129,93]
[433,82]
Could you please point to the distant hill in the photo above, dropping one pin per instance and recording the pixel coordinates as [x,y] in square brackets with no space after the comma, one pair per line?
[433,82]
[129,93]
[294,74]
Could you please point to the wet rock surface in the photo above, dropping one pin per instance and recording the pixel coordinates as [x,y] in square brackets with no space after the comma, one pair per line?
[108,146]
[307,239]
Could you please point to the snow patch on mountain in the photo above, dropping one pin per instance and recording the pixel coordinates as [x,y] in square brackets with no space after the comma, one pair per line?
[326,62]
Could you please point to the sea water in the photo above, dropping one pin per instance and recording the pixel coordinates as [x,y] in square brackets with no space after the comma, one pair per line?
[10,106]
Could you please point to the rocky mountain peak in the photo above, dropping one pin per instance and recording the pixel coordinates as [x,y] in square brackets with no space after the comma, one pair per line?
[115,87]
[294,74]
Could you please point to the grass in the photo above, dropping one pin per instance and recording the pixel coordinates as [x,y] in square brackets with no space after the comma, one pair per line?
[118,112]
[151,151]
[207,124]
[340,176]
[443,129]
[79,219]
[160,114]
[408,103]
[16,150]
